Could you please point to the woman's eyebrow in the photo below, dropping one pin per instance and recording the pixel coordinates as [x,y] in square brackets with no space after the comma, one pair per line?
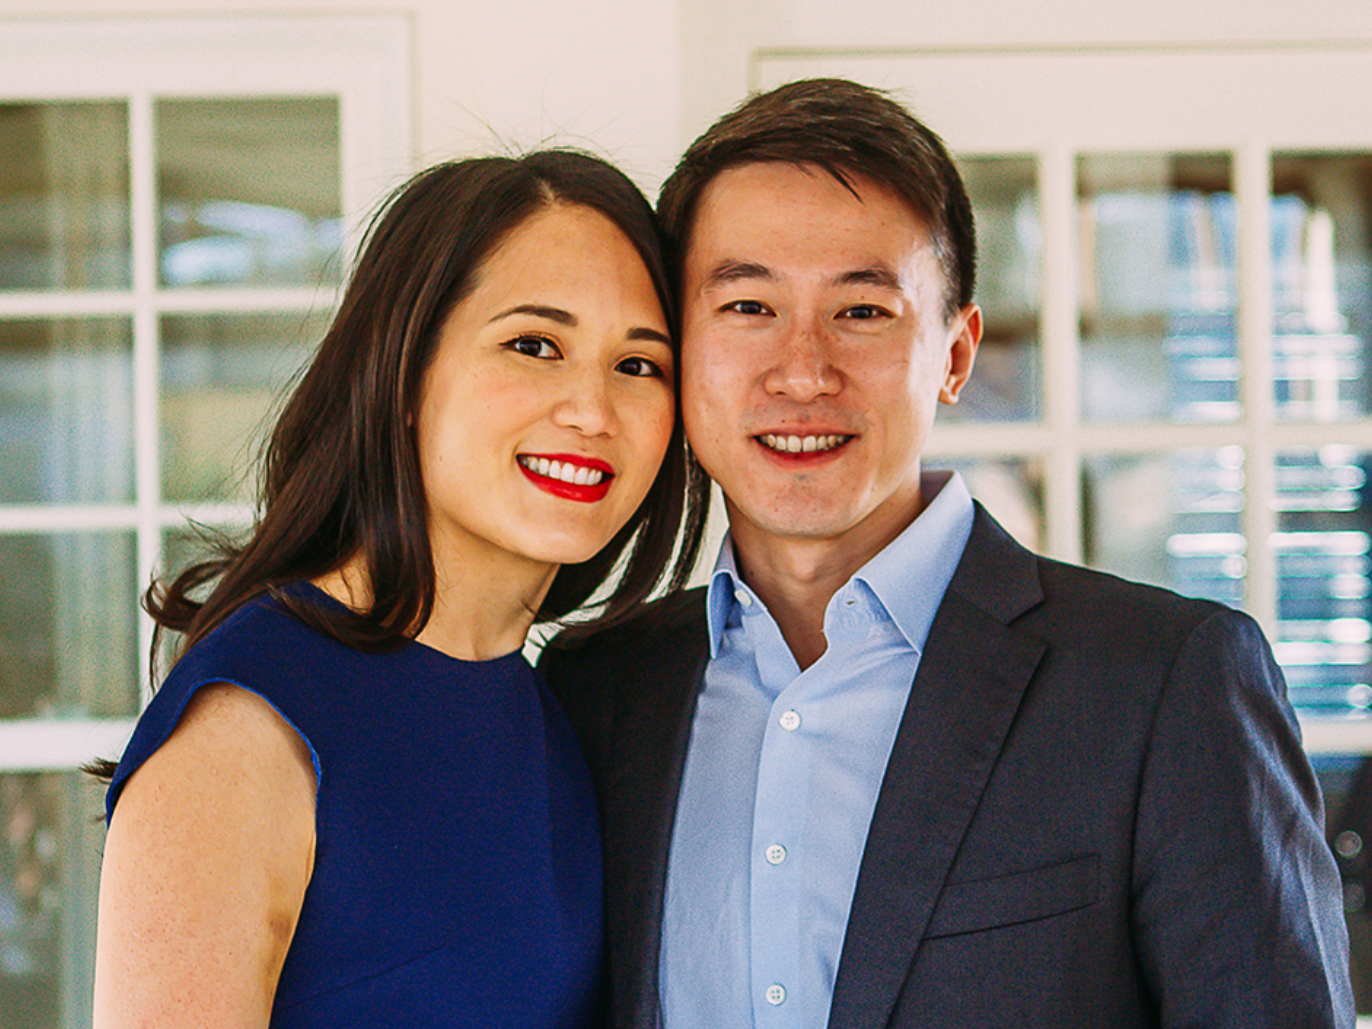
[643,332]
[553,314]
[561,317]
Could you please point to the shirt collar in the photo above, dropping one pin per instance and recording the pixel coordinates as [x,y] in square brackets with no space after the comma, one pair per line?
[911,574]
[722,598]
[908,577]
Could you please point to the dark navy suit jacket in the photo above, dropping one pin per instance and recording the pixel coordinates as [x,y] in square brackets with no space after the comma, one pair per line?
[1096,813]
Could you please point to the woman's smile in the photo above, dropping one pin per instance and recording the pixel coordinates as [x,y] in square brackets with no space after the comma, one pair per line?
[584,479]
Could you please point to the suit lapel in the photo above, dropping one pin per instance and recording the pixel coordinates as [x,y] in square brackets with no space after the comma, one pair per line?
[655,702]
[968,687]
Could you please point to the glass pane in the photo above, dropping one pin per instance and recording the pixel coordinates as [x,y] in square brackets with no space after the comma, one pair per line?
[1011,490]
[69,636]
[183,546]
[1346,782]
[189,544]
[1321,284]
[1005,384]
[51,835]
[249,191]
[1157,303]
[1324,632]
[66,411]
[1170,519]
[221,377]
[64,196]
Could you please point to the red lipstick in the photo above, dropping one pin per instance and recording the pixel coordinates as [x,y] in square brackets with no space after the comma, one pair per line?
[546,470]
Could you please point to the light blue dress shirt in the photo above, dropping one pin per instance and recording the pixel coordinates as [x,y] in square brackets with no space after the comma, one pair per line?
[781,778]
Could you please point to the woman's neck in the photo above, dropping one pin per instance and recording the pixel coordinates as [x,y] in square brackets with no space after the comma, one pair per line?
[483,609]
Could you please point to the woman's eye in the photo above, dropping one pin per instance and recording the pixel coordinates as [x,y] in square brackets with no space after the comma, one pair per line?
[640,367]
[748,307]
[533,346]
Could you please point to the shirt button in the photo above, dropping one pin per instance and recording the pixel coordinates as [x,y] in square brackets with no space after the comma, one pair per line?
[790,720]
[776,995]
[775,854]
[742,597]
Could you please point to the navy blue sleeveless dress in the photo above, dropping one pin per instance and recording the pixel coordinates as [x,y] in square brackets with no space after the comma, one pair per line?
[457,877]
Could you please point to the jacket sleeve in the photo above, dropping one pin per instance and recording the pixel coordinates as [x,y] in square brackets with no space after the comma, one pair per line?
[1237,904]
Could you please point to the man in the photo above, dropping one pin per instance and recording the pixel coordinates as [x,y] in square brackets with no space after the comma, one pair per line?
[891,769]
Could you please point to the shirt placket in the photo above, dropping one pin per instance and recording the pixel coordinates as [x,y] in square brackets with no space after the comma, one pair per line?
[775,858]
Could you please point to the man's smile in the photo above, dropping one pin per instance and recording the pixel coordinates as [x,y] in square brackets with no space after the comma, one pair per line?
[796,444]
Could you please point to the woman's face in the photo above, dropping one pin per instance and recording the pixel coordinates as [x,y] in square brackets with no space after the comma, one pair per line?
[548,404]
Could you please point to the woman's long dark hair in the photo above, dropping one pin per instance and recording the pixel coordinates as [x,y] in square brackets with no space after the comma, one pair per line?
[341,475]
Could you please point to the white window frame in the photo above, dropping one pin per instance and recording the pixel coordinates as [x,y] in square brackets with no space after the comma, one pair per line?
[363,60]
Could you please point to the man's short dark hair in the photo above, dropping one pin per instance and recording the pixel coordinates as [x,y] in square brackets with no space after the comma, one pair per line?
[846,129]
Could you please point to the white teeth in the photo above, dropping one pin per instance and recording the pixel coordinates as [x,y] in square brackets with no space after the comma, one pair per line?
[577,475]
[802,444]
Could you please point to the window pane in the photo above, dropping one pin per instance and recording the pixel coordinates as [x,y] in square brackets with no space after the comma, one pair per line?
[1170,519]
[1324,629]
[66,411]
[69,635]
[1011,490]
[1005,385]
[64,196]
[50,844]
[1321,284]
[1157,301]
[222,376]
[182,546]
[249,191]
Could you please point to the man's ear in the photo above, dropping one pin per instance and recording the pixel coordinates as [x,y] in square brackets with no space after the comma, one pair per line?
[963,339]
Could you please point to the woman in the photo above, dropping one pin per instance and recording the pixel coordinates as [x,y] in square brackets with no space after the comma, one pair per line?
[351,803]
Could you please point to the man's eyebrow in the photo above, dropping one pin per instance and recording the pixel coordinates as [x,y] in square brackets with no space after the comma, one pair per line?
[553,314]
[736,271]
[875,275]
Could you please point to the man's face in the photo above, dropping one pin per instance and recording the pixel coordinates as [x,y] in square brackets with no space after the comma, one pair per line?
[815,349]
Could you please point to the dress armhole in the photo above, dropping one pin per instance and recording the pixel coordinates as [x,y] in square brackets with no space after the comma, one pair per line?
[148,739]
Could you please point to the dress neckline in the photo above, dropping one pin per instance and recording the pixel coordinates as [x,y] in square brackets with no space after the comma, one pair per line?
[516,656]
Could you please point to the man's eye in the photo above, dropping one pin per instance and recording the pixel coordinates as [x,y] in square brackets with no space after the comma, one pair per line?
[748,307]
[533,346]
[862,312]
[641,367]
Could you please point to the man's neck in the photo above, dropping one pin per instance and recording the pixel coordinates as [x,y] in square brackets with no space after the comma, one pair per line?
[796,577]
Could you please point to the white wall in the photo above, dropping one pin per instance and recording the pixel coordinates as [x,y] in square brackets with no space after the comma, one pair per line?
[597,73]
[718,36]
[637,79]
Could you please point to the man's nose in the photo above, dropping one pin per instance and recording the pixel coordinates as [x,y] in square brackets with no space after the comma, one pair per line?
[803,368]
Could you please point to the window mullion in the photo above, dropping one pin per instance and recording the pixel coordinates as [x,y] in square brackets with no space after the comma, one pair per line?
[1061,357]
[1252,185]
[143,211]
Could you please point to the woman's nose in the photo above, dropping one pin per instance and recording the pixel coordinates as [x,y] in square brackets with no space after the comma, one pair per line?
[587,405]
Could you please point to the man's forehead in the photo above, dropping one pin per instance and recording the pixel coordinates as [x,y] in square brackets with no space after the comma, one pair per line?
[734,191]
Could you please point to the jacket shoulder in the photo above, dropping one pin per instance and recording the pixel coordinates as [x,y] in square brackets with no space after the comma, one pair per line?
[662,619]
[672,622]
